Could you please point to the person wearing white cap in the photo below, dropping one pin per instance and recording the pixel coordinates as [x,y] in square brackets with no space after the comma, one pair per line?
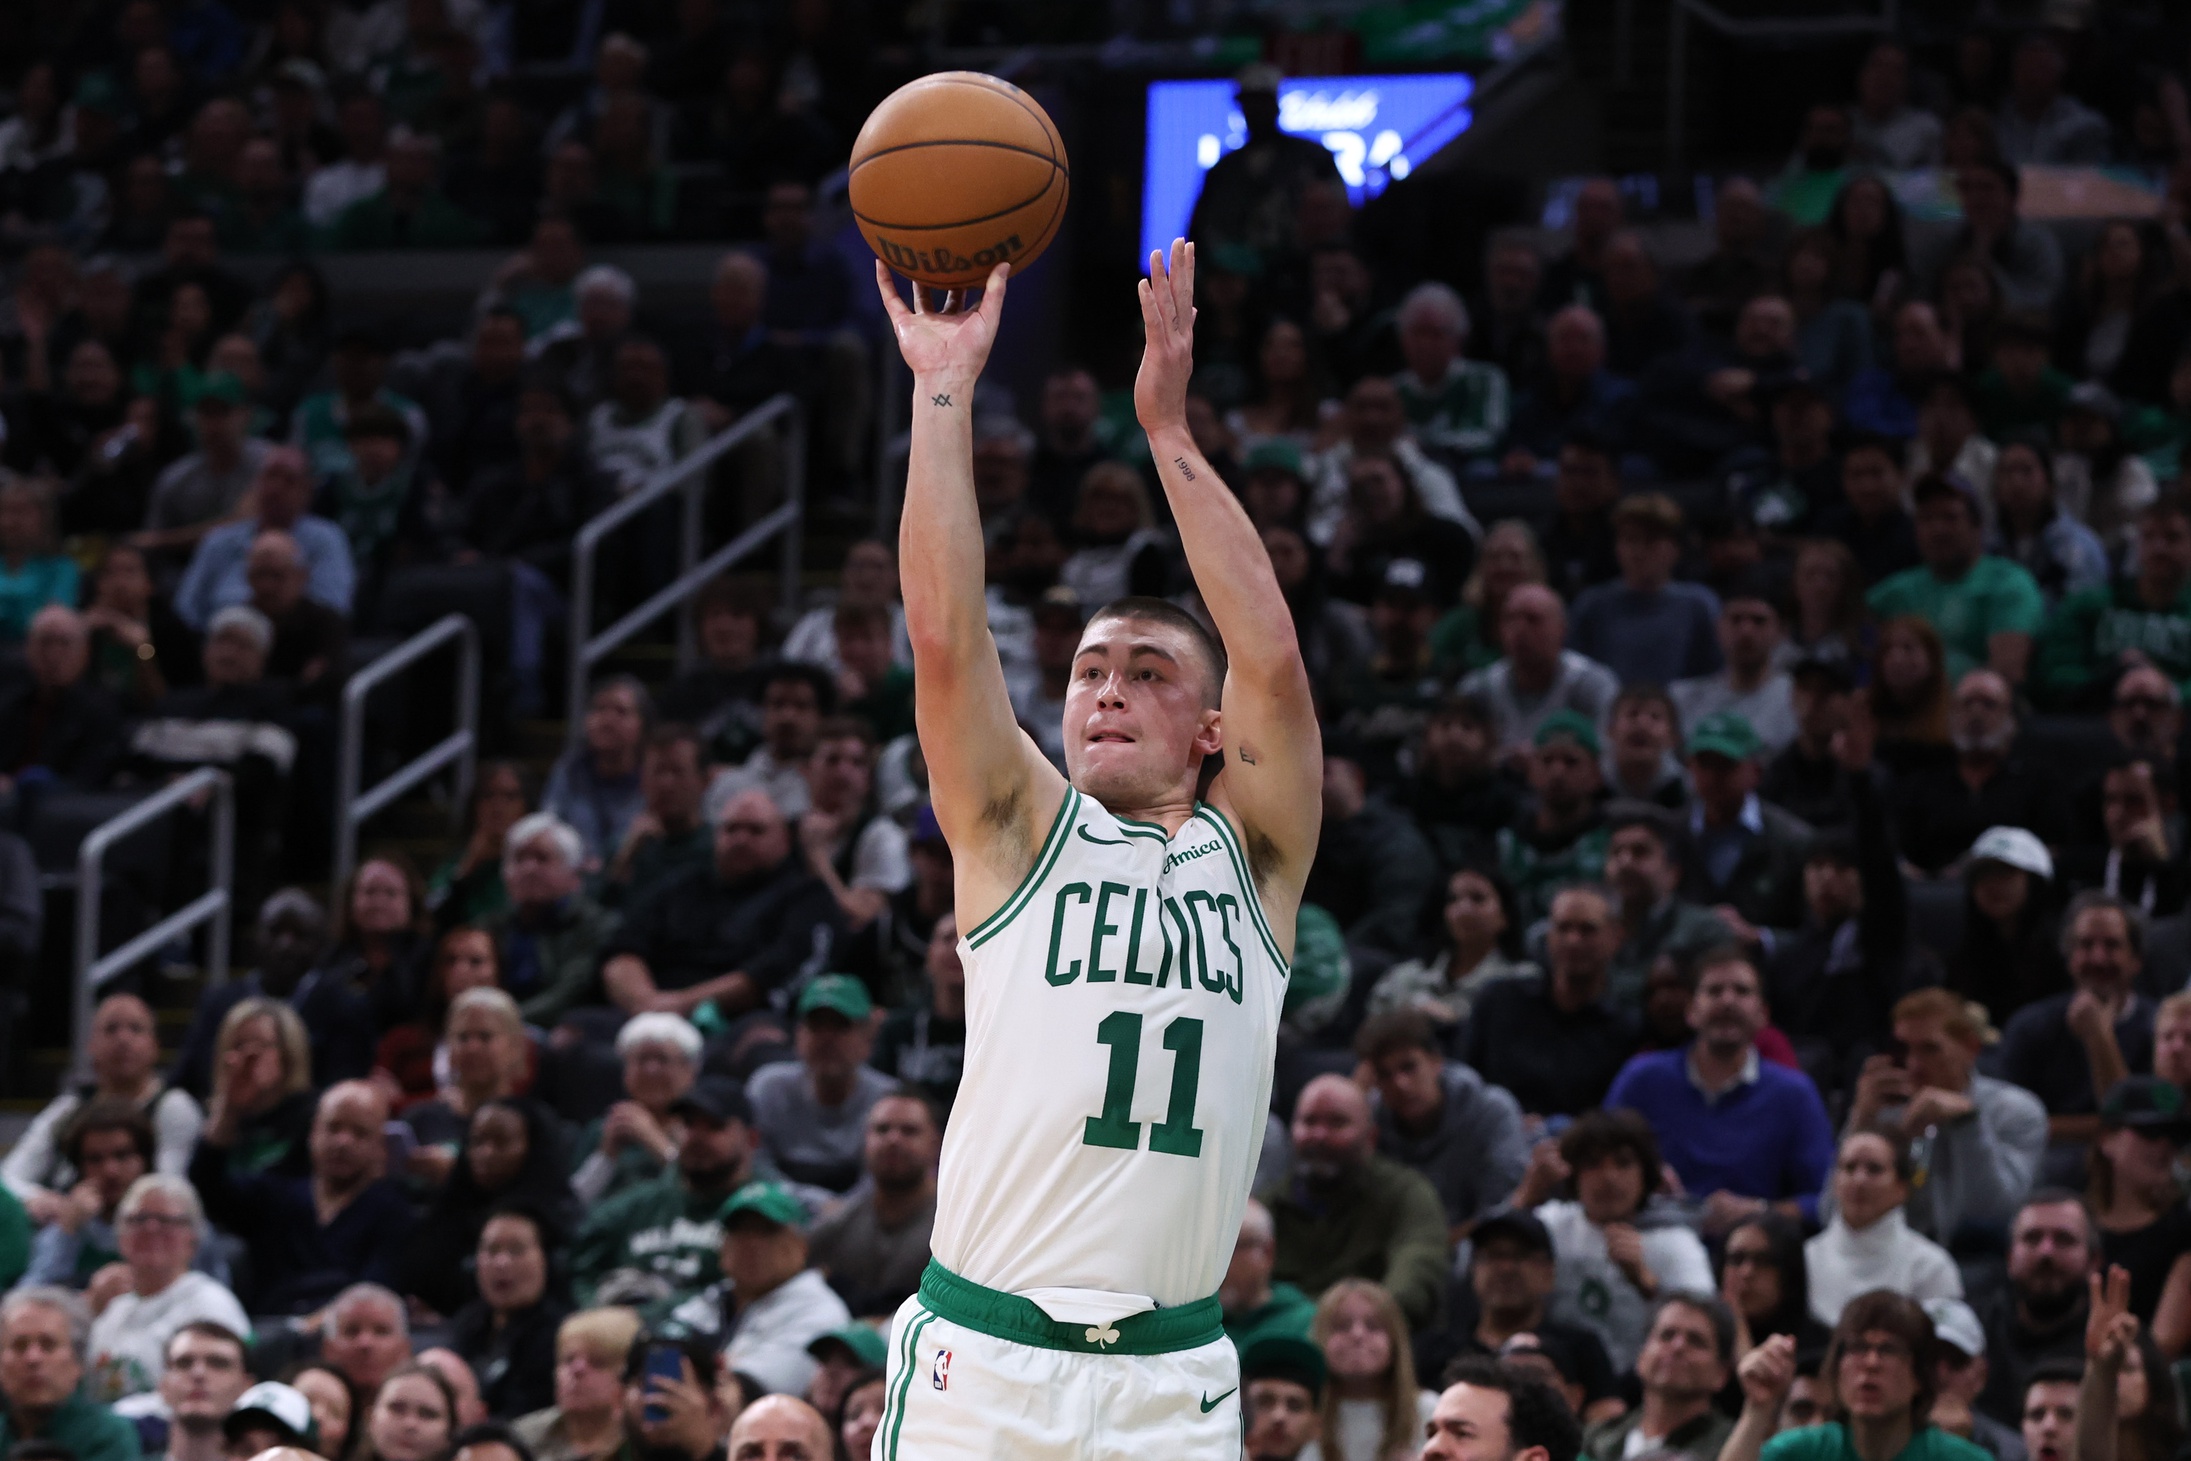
[2070,1049]
[1959,1375]
[2008,956]
[270,1414]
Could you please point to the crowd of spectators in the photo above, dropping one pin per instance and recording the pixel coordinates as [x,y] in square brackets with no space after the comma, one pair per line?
[1753,876]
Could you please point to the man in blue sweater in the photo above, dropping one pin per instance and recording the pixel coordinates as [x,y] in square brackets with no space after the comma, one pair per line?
[1742,1134]
[309,1237]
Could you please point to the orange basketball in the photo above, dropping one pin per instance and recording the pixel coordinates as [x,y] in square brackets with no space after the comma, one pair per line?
[955,173]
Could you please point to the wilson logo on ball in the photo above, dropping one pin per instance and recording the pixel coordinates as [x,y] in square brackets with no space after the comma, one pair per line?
[942,260]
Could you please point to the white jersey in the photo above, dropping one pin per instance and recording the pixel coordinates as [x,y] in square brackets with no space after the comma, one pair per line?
[1121,1019]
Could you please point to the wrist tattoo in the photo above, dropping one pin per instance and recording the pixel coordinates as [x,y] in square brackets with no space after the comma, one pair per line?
[940,399]
[1185,470]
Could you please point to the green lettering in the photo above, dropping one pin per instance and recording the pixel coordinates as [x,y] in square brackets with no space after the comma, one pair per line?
[1170,909]
[1135,974]
[1121,1031]
[1201,944]
[1057,933]
[1228,908]
[1097,974]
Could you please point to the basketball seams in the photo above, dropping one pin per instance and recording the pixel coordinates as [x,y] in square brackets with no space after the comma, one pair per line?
[894,207]
[1055,165]
[1028,202]
[992,86]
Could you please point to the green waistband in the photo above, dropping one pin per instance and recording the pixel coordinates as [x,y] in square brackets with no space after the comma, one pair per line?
[1008,1316]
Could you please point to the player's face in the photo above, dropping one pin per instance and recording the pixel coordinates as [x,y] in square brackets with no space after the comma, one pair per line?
[1138,717]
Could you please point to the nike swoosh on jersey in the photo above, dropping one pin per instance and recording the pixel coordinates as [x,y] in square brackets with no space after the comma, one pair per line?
[1103,841]
[1209,1405]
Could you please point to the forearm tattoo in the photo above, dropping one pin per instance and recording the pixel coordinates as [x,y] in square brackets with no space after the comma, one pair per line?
[1185,470]
[940,399]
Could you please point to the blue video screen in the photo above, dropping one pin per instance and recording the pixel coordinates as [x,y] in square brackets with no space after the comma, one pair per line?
[1378,128]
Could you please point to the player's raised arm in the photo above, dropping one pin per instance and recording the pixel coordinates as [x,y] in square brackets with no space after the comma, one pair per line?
[994,794]
[1272,783]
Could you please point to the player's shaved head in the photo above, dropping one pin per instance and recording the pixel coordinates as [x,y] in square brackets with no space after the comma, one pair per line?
[780,1428]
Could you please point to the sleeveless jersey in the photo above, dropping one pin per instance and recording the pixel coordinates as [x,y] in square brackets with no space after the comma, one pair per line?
[1121,1019]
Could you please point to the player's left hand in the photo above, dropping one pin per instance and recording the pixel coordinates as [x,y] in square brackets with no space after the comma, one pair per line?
[1167,350]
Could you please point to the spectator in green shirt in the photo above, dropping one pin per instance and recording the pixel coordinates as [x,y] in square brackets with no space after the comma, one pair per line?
[1255,1307]
[1986,609]
[2144,619]
[1880,1369]
[1455,404]
[410,211]
[43,1332]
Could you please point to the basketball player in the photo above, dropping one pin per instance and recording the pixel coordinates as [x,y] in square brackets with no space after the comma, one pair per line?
[1125,951]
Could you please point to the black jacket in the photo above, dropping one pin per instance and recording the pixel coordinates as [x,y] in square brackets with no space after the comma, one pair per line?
[515,1367]
[772,926]
[75,732]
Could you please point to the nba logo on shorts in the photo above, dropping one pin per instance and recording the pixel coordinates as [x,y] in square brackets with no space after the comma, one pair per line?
[941,1376]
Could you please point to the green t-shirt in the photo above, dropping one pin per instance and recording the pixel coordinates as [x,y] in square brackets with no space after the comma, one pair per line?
[14,1239]
[1287,1312]
[1995,597]
[1831,1443]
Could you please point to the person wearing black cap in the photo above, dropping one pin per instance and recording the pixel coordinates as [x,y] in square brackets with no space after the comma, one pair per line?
[1831,980]
[1282,1379]
[1512,1272]
[1808,778]
[1383,700]
[1249,198]
[2135,1196]
[659,1241]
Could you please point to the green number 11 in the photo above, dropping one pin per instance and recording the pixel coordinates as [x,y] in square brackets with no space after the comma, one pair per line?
[1176,1135]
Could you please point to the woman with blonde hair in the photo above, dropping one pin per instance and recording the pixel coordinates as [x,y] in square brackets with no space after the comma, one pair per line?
[586,1423]
[489,1057]
[262,1073]
[1373,1408]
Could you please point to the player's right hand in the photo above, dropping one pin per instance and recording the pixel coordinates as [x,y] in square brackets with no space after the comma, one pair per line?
[944,347]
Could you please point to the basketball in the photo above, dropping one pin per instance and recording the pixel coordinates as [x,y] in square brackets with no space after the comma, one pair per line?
[956,173]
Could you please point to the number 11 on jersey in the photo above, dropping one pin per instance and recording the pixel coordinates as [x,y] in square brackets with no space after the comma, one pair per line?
[1176,1135]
